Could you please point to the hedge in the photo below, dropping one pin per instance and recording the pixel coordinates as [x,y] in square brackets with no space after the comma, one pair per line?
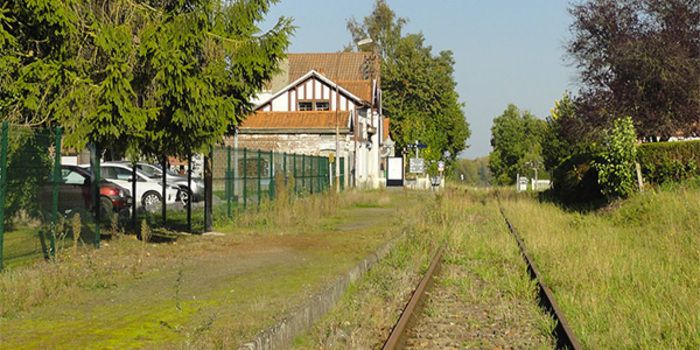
[669,161]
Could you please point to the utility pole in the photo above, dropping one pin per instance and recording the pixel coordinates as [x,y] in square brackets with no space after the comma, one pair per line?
[336,159]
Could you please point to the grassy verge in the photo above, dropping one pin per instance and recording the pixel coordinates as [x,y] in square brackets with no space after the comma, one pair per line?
[627,276]
[493,281]
[197,292]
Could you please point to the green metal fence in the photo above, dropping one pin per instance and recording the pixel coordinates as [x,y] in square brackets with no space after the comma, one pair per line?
[40,197]
[245,178]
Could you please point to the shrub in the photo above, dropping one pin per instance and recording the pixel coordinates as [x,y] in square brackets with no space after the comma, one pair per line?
[616,170]
[576,179]
[664,162]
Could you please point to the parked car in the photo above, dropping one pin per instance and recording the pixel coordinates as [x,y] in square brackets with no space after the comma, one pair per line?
[148,191]
[75,193]
[172,178]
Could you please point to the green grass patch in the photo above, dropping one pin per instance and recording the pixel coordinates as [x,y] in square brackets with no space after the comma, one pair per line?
[627,276]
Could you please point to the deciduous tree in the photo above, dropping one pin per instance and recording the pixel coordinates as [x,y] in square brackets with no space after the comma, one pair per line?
[639,58]
[516,140]
[419,87]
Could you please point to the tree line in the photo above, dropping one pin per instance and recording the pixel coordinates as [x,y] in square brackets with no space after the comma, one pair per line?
[639,69]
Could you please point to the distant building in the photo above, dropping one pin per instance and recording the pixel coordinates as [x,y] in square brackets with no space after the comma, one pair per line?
[311,97]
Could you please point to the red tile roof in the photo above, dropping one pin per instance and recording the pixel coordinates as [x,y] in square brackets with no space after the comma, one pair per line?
[353,71]
[337,66]
[295,121]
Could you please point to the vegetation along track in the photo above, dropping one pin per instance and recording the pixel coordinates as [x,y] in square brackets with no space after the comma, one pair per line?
[436,316]
[564,335]
[397,338]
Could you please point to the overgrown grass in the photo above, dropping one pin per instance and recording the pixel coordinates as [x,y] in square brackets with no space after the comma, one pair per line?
[627,276]
[476,240]
[196,292]
[365,314]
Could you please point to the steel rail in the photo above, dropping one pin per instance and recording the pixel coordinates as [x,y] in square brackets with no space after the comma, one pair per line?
[566,339]
[397,337]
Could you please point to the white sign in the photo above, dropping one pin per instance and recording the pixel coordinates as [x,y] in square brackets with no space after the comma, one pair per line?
[395,168]
[417,166]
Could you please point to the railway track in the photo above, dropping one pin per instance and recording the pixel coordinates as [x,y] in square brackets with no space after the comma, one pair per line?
[566,339]
[453,326]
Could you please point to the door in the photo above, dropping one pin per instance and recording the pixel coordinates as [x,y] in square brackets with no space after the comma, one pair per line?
[74,191]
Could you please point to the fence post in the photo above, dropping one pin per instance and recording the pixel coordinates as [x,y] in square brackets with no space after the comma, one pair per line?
[56,181]
[208,189]
[271,186]
[234,173]
[303,172]
[245,178]
[189,187]
[164,193]
[319,174]
[259,178]
[228,182]
[134,213]
[342,173]
[96,190]
[296,178]
[3,187]
[284,167]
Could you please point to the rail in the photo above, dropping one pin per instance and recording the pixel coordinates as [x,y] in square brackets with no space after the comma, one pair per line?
[566,339]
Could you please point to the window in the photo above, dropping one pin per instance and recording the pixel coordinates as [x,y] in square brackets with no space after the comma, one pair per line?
[306,106]
[115,173]
[71,177]
[123,174]
[322,106]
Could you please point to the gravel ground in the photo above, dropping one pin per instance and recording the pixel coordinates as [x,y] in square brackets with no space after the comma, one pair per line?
[453,320]
[483,297]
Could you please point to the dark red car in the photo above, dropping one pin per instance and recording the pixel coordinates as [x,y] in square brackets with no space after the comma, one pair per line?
[75,193]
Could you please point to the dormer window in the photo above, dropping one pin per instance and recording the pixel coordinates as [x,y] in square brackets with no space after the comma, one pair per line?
[322,106]
[304,106]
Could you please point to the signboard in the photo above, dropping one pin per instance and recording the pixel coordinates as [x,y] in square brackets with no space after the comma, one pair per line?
[394,176]
[416,165]
[441,166]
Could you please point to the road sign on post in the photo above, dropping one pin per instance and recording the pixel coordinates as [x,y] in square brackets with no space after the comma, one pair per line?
[416,165]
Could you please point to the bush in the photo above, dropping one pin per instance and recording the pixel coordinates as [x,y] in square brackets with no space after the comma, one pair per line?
[664,162]
[616,170]
[576,180]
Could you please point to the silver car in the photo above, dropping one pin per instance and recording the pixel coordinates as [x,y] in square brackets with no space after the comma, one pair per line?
[173,179]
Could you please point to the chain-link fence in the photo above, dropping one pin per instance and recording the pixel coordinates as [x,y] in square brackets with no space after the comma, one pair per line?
[46,206]
[52,198]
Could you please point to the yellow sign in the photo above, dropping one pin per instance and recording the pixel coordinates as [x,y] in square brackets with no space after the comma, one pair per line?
[331,157]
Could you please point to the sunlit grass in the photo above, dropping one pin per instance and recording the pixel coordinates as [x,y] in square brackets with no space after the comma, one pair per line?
[627,276]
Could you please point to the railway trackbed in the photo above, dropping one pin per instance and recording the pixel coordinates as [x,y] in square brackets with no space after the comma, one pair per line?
[459,304]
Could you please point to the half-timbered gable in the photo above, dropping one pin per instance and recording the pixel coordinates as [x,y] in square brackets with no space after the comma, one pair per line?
[312,92]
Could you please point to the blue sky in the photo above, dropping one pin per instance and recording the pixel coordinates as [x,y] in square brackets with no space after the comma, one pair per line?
[506,51]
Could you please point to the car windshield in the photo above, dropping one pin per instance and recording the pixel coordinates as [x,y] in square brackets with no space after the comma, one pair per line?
[153,171]
[150,170]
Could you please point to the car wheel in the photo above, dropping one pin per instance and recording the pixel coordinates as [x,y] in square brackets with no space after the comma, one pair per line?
[151,201]
[184,196]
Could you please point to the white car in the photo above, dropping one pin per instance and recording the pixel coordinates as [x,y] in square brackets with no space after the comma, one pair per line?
[148,190]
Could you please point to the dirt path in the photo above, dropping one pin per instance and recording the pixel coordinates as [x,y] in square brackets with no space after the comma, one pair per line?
[218,296]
